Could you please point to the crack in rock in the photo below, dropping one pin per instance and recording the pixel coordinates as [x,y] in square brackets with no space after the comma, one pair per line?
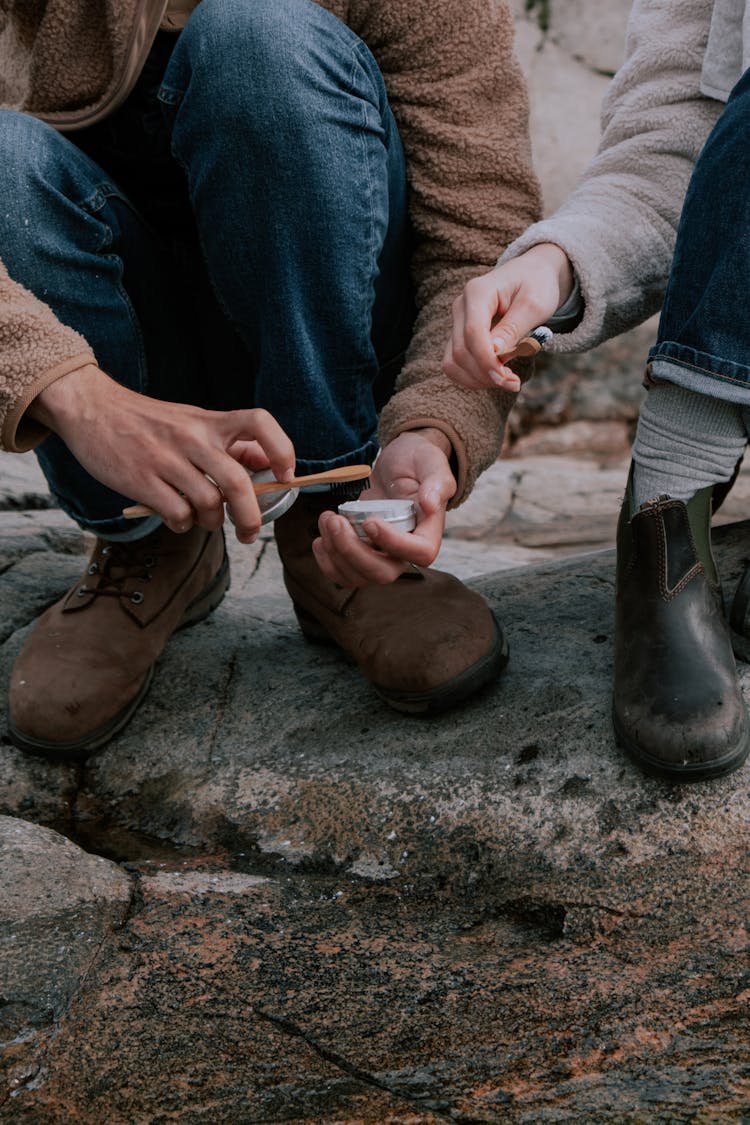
[222,703]
[342,1063]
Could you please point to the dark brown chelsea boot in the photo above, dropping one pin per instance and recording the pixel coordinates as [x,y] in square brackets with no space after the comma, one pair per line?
[678,709]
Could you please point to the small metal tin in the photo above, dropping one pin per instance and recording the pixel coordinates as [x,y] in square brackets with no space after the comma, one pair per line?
[271,504]
[400,514]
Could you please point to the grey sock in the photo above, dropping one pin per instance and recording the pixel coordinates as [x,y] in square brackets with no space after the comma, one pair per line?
[684,442]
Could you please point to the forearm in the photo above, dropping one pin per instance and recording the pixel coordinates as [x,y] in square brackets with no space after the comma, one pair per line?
[618,227]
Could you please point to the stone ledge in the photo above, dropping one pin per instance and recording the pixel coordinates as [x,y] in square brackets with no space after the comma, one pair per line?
[251,741]
[346,915]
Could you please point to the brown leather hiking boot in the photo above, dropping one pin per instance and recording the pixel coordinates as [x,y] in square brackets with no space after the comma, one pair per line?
[425,641]
[678,709]
[89,659]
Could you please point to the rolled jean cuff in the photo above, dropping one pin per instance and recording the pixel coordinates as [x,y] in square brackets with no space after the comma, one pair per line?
[364,455]
[699,372]
[118,530]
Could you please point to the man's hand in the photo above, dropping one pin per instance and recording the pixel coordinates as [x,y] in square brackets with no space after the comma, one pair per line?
[162,453]
[495,311]
[413,466]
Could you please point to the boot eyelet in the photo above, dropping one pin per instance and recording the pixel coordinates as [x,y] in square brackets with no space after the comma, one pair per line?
[93,569]
[136,597]
[106,550]
[149,561]
[82,591]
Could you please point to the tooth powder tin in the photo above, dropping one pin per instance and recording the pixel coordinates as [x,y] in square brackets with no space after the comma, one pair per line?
[271,504]
[400,514]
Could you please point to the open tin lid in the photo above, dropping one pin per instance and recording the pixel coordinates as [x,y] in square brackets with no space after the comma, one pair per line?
[271,504]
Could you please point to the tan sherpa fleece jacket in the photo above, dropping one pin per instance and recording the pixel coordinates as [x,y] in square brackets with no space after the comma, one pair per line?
[619,225]
[460,102]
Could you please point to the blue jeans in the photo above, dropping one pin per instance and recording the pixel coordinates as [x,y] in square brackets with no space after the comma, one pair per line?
[703,342]
[235,235]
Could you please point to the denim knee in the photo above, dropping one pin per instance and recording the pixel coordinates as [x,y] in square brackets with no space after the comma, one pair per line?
[29,152]
[256,63]
[728,146]
[34,180]
[50,190]
[38,163]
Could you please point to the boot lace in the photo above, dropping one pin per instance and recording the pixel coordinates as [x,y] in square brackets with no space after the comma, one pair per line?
[116,566]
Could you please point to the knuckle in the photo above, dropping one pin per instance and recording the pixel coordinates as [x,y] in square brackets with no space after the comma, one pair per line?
[474,332]
[474,286]
[461,354]
[234,479]
[177,512]
[535,309]
[260,416]
[180,518]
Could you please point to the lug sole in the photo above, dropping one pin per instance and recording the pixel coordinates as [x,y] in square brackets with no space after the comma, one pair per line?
[77,752]
[690,771]
[438,699]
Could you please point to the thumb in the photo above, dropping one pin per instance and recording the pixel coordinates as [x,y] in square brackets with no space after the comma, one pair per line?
[519,319]
[435,492]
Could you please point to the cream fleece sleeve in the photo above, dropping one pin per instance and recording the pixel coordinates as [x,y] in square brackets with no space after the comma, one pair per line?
[619,225]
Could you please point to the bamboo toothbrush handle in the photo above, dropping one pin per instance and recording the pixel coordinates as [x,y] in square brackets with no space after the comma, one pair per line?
[328,476]
[260,488]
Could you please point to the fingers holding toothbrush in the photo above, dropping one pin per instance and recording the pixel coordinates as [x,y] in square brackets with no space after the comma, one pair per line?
[497,317]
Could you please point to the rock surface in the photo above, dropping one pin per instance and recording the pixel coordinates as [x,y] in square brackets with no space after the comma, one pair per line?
[313,910]
[317,910]
[57,906]
[568,50]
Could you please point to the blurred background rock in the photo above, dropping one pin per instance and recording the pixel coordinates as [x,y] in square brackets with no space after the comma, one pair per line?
[585,405]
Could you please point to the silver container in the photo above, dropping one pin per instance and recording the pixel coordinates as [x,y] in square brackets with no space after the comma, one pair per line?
[401,515]
[271,504]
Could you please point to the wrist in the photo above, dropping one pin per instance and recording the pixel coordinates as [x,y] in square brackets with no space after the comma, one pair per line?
[554,258]
[62,398]
[435,437]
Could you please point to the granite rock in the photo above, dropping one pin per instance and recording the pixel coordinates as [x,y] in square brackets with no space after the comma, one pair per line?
[57,906]
[342,914]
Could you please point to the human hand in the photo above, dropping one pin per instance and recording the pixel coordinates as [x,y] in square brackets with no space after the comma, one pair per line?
[162,453]
[495,312]
[413,466]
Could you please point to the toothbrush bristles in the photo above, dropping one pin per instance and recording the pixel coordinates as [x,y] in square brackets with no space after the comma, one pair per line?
[542,335]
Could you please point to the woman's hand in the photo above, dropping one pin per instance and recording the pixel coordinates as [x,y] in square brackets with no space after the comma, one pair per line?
[413,466]
[182,461]
[495,311]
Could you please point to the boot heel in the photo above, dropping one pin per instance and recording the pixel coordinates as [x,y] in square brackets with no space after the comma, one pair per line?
[739,619]
[311,629]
